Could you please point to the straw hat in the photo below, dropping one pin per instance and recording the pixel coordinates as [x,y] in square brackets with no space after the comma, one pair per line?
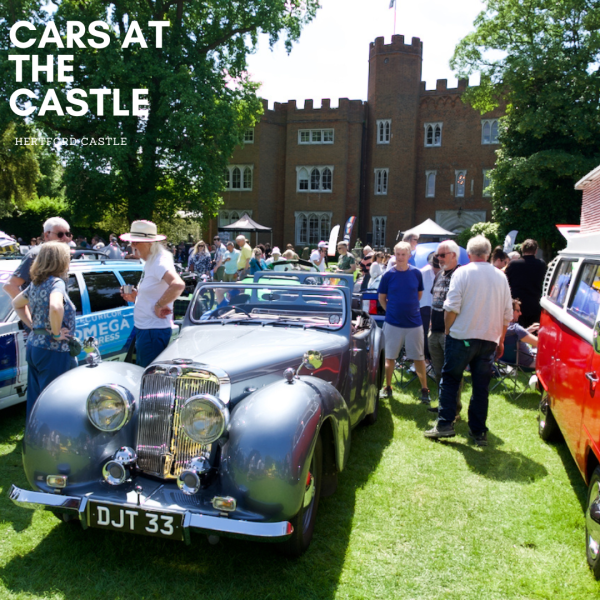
[142,231]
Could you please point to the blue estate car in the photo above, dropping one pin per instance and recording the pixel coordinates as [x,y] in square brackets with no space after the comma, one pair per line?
[94,288]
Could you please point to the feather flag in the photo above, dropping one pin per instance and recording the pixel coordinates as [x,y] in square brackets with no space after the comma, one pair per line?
[392,3]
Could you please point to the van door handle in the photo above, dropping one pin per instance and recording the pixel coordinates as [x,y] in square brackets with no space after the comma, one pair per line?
[592,377]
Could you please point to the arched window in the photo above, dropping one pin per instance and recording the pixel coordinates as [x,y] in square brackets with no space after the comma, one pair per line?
[326,179]
[430,185]
[384,128]
[381,181]
[438,136]
[227,179]
[379,232]
[313,230]
[429,135]
[247,178]
[303,229]
[236,178]
[486,135]
[461,181]
[315,179]
[303,179]
[325,227]
[494,139]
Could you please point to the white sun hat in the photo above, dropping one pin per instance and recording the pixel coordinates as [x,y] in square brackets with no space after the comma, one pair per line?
[143,231]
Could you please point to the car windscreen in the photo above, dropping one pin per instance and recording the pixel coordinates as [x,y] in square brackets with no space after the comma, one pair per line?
[5,299]
[262,304]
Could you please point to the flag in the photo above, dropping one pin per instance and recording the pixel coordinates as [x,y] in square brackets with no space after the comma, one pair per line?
[348,229]
[509,240]
[392,2]
[333,236]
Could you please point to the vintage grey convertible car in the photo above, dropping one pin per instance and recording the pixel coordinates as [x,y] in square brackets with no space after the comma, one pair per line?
[237,428]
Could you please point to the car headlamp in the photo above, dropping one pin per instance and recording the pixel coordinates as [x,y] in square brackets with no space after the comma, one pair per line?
[109,407]
[204,418]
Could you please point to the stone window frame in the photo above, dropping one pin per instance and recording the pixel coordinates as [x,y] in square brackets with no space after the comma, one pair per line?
[321,174]
[311,226]
[231,215]
[245,173]
[436,140]
[310,136]
[379,224]
[491,125]
[458,185]
[430,193]
[381,180]
[384,131]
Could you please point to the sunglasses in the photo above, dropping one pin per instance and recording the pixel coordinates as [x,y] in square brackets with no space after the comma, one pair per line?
[61,234]
[443,254]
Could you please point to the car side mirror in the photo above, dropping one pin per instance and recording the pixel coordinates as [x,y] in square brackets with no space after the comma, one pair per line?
[313,360]
[596,336]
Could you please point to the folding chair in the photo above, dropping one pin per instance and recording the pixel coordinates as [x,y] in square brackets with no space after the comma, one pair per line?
[508,369]
[404,371]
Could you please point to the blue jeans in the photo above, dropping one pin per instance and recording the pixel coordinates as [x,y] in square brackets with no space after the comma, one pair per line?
[479,355]
[43,367]
[149,343]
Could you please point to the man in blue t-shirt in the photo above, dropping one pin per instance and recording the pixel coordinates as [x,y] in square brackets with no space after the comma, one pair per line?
[400,290]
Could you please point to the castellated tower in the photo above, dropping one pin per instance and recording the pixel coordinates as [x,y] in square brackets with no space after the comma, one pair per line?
[393,110]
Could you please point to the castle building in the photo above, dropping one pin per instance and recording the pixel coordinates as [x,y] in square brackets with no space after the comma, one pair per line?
[404,155]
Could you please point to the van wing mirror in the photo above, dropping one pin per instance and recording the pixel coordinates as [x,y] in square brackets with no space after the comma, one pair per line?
[596,336]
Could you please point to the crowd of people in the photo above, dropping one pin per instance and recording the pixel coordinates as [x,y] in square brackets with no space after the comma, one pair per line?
[446,317]
[458,318]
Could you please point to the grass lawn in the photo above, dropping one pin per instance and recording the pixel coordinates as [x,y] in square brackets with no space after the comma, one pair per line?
[412,518]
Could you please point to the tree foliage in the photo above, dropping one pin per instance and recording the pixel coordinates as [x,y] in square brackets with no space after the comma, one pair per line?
[489,230]
[19,171]
[200,97]
[541,56]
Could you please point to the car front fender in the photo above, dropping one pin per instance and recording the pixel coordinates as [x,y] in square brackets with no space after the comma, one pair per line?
[59,438]
[272,435]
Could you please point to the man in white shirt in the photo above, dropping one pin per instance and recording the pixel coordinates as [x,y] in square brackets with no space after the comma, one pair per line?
[317,257]
[478,309]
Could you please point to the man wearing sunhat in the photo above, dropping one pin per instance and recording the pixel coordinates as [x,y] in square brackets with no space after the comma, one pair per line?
[159,286]
[317,257]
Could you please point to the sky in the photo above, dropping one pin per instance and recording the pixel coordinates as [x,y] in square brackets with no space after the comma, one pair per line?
[331,59]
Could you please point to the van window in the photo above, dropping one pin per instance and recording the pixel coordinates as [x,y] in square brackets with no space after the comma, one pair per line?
[131,277]
[104,291]
[75,294]
[560,282]
[586,300]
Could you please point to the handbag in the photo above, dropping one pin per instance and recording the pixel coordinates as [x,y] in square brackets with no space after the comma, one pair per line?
[75,346]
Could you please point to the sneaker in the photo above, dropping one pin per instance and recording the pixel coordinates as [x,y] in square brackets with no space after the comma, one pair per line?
[479,439]
[386,392]
[425,399]
[443,431]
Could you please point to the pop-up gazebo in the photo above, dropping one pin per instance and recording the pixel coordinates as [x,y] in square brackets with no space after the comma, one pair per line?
[429,229]
[244,224]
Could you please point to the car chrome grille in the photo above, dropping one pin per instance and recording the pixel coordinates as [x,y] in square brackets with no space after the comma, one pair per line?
[162,447]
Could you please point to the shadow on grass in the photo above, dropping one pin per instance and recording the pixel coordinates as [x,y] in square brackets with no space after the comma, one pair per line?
[11,466]
[573,473]
[78,565]
[490,462]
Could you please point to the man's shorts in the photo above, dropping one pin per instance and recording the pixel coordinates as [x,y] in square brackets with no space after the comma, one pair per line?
[229,277]
[409,337]
[219,273]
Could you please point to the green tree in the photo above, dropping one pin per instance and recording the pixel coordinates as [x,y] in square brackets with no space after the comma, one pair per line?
[19,171]
[200,97]
[541,57]
[489,230]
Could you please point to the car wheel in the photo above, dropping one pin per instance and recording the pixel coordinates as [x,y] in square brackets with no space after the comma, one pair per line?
[304,521]
[547,426]
[592,528]
[371,418]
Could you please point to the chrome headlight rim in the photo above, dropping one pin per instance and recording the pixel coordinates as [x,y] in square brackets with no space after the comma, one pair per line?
[216,404]
[128,406]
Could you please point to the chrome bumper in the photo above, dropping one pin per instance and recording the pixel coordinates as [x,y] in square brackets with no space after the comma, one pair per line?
[191,520]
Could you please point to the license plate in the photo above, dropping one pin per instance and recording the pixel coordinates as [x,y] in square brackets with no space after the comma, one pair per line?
[133,519]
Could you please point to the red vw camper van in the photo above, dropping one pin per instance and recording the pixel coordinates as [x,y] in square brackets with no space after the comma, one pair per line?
[568,361]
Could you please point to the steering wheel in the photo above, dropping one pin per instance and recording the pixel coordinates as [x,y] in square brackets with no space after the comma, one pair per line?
[234,307]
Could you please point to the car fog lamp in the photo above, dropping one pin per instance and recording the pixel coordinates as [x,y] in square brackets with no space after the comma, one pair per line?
[56,481]
[109,407]
[115,473]
[189,481]
[225,503]
[204,418]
